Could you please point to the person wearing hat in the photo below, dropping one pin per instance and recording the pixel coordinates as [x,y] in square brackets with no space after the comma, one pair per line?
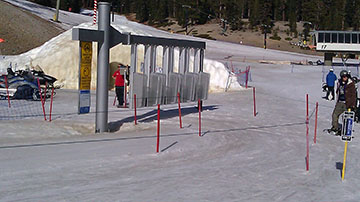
[346,99]
[330,82]
[119,85]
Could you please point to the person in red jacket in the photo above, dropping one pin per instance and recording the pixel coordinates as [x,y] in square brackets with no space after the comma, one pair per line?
[119,85]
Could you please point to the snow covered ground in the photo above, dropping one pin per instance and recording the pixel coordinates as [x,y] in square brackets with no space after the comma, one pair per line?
[239,157]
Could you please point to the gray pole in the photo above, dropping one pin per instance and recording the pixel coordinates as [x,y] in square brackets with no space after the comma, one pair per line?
[57,10]
[102,93]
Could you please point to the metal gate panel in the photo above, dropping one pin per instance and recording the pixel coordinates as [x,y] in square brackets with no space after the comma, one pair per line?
[156,89]
[188,87]
[173,88]
[202,90]
[138,88]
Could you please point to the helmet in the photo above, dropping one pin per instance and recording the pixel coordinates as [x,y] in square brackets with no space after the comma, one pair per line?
[344,73]
[331,70]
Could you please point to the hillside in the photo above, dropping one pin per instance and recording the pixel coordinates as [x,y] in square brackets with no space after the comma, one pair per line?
[250,37]
[22,30]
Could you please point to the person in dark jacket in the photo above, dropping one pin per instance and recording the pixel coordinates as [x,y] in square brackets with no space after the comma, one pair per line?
[346,93]
[119,85]
[330,82]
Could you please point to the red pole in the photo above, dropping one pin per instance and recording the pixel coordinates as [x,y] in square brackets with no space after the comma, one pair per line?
[45,92]
[199,117]
[254,101]
[42,102]
[178,95]
[316,118]
[7,91]
[135,107]
[158,129]
[307,145]
[51,102]
[125,95]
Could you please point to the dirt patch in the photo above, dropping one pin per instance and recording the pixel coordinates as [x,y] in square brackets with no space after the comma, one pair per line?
[23,31]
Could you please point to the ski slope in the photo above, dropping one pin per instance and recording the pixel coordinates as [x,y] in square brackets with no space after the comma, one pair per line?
[239,157]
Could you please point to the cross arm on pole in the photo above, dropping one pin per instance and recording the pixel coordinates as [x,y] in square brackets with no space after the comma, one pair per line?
[80,34]
[117,37]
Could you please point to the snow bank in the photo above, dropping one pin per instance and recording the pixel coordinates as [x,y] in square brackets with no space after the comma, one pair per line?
[59,57]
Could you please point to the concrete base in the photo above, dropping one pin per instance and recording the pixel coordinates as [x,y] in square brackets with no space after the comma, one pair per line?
[328,59]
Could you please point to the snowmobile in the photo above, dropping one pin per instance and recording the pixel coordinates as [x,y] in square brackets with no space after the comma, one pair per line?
[23,84]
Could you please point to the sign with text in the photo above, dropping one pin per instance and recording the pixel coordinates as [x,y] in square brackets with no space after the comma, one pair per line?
[85,77]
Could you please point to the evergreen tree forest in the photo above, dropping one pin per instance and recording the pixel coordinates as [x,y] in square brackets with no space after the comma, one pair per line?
[316,14]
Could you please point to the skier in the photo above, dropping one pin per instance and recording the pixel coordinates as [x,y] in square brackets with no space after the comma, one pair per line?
[119,85]
[346,93]
[330,82]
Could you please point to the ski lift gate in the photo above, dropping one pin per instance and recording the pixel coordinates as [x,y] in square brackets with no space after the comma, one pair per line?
[150,87]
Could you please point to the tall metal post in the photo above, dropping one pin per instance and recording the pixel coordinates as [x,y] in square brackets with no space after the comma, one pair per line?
[202,57]
[171,59]
[147,63]
[56,18]
[102,93]
[133,67]
[165,63]
[153,58]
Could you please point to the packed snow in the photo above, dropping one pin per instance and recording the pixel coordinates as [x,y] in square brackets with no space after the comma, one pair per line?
[238,158]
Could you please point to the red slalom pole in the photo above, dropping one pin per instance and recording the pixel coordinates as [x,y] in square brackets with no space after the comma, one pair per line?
[7,91]
[199,118]
[135,108]
[178,95]
[51,102]
[42,102]
[45,92]
[307,145]
[254,101]
[316,118]
[158,129]
[125,96]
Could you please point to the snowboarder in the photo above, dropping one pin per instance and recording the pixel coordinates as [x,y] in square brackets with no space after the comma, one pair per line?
[346,99]
[330,82]
[119,85]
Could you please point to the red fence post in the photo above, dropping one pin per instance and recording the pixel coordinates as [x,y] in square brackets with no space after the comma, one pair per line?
[135,107]
[51,102]
[307,146]
[125,95]
[45,94]
[42,102]
[316,118]
[307,132]
[158,129]
[7,91]
[254,101]
[178,95]
[199,104]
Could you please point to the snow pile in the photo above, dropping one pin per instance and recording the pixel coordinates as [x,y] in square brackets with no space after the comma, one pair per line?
[59,57]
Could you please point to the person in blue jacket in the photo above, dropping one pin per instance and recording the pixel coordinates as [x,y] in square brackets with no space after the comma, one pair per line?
[330,82]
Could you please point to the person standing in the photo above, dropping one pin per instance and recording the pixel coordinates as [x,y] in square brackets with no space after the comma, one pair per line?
[346,92]
[119,85]
[330,82]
